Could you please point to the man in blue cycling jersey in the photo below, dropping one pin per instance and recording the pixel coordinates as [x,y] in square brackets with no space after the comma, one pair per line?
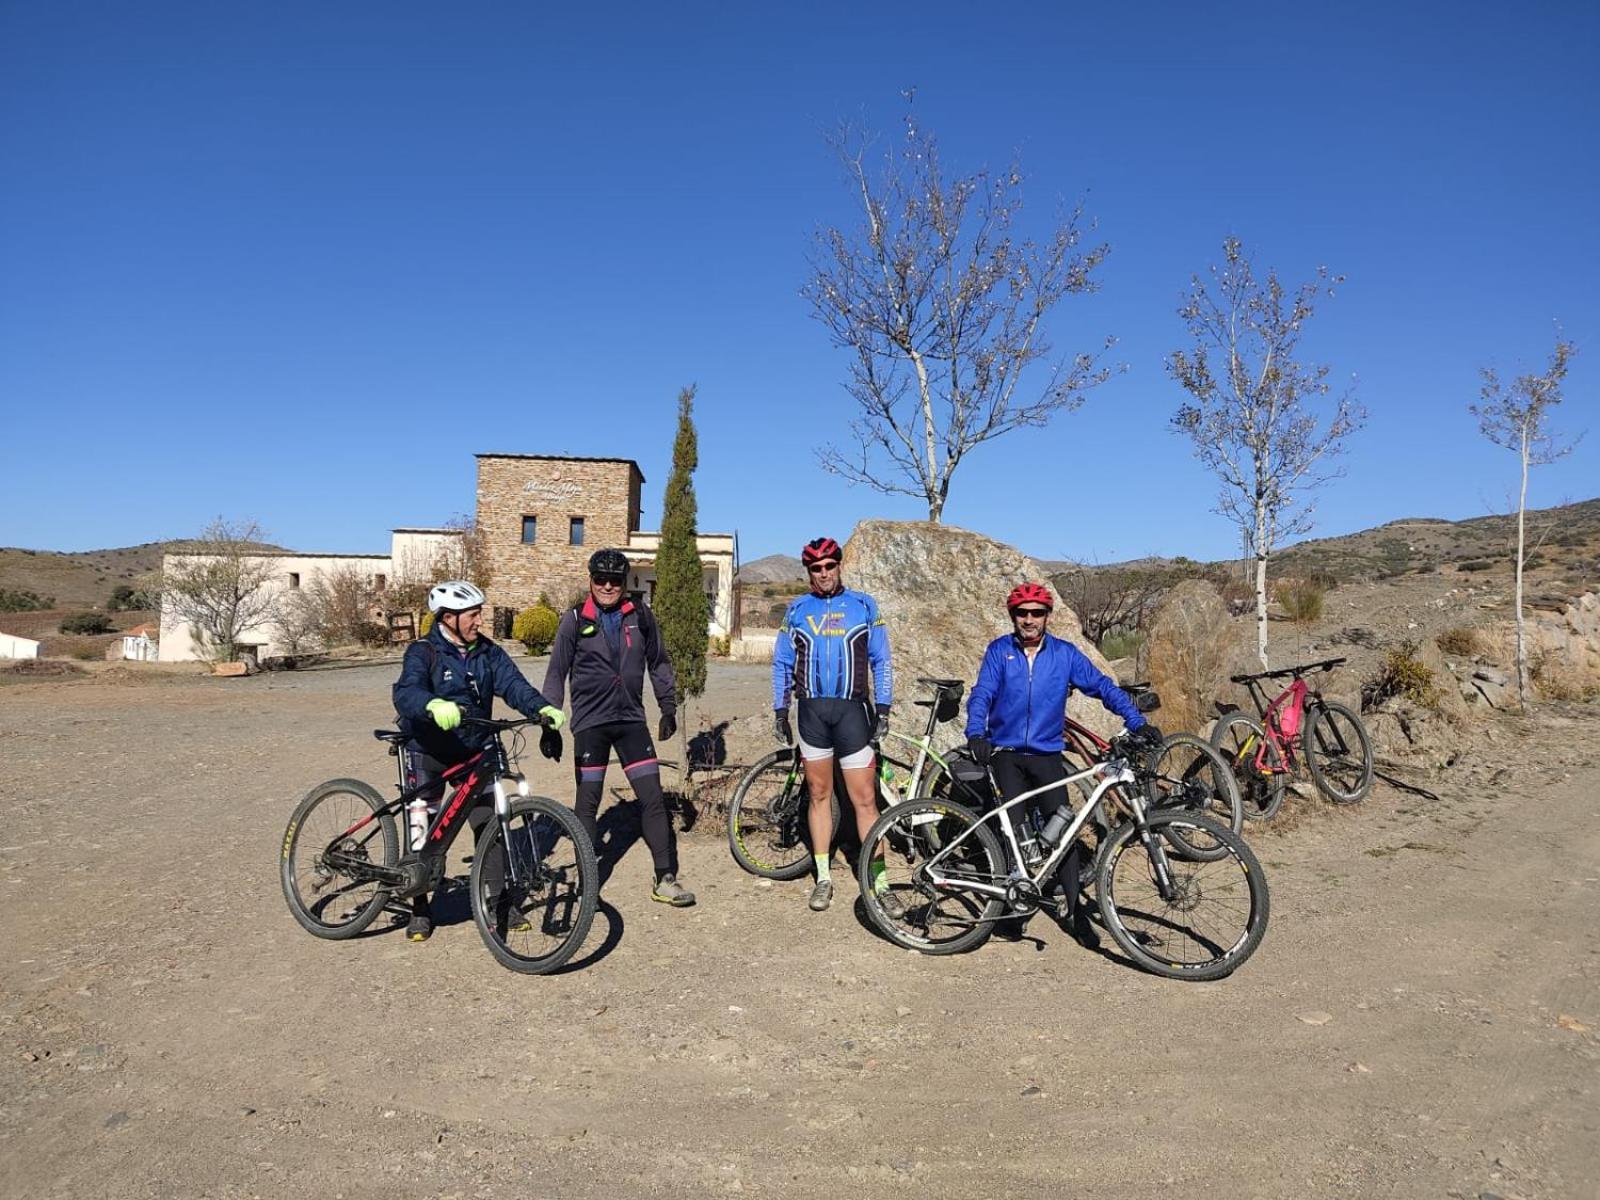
[828,642]
[1015,715]
[449,674]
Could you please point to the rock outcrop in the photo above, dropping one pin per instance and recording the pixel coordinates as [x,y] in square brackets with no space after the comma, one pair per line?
[1187,653]
[942,591]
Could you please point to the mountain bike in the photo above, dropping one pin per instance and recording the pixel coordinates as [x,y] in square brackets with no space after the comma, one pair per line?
[1298,726]
[950,874]
[534,883]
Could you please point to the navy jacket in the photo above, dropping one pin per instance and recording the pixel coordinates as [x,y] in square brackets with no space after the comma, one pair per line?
[607,680]
[436,668]
[1021,709]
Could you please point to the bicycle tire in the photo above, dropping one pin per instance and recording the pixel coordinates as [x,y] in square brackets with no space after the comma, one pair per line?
[310,884]
[901,842]
[1187,773]
[1340,776]
[1238,736]
[550,888]
[1151,930]
[768,833]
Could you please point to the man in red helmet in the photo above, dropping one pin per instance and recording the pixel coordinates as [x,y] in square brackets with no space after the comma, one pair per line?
[827,644]
[1016,711]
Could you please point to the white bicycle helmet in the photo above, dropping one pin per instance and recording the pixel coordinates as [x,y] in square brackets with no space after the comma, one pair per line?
[453,595]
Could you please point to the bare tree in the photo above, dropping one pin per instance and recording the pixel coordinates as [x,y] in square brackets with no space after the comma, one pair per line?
[1111,598]
[1515,416]
[1250,416]
[218,586]
[347,606]
[944,310]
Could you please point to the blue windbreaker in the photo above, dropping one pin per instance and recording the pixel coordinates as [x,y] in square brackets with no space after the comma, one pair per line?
[1022,706]
[825,646]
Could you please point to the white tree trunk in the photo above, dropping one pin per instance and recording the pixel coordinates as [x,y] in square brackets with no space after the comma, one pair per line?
[1261,586]
[1524,683]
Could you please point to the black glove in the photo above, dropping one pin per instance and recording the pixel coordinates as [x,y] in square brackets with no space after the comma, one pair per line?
[980,748]
[550,744]
[780,726]
[882,726]
[1146,737]
[668,726]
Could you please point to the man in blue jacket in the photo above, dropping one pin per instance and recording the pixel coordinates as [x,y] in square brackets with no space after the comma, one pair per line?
[828,642]
[450,674]
[1016,712]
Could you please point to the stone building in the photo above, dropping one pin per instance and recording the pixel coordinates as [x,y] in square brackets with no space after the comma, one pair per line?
[539,518]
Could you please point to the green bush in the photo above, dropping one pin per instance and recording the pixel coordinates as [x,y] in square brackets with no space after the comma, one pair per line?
[1403,674]
[1302,599]
[1121,643]
[86,622]
[718,646]
[22,600]
[535,627]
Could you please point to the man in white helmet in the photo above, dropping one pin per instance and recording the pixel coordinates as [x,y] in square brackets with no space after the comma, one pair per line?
[450,674]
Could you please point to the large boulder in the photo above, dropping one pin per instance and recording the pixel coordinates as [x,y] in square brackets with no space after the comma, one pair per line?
[942,592]
[1187,653]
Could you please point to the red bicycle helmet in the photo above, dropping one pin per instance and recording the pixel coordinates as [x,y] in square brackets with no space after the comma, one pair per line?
[818,549]
[1030,593]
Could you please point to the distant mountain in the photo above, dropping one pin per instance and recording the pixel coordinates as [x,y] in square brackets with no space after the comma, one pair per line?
[774,568]
[84,578]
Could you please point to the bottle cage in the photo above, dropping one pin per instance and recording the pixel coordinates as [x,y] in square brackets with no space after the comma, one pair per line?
[1284,713]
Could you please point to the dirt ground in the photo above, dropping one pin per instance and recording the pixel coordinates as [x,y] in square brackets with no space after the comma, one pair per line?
[1423,1018]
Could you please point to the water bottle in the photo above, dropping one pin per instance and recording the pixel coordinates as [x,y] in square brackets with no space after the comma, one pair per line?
[417,822]
[1026,842]
[1056,825]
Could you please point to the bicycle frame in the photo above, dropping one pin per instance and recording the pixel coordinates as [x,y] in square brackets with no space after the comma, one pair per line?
[1111,773]
[1294,700]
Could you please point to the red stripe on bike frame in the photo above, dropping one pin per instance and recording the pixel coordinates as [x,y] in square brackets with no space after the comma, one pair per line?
[456,802]
[361,824]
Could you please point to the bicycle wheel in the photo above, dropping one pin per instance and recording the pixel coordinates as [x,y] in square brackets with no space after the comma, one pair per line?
[1239,737]
[534,892]
[1187,774]
[1210,918]
[767,828]
[945,920]
[1338,753]
[335,838]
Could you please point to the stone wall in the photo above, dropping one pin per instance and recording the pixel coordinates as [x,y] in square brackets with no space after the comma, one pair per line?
[604,492]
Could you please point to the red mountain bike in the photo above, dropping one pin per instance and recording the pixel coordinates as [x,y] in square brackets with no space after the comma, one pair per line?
[1298,726]
[534,885]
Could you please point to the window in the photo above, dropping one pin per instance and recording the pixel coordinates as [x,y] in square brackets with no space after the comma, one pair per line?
[380,582]
[530,530]
[294,579]
[576,535]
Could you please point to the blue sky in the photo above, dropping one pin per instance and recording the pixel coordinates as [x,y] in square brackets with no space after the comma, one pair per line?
[300,261]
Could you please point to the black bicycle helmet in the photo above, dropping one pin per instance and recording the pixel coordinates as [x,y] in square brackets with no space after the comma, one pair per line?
[608,562]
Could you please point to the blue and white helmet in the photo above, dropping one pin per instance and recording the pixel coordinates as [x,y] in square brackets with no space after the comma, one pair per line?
[453,595]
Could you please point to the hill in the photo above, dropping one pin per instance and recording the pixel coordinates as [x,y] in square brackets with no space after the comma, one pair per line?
[84,578]
[774,568]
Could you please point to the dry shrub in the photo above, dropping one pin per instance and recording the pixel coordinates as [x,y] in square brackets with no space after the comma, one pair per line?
[1403,674]
[1462,642]
[1555,678]
[1301,599]
[1186,653]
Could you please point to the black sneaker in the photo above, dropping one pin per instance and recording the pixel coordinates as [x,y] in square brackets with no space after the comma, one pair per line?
[1083,930]
[421,927]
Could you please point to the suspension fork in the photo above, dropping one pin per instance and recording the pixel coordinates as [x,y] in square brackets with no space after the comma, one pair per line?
[1160,865]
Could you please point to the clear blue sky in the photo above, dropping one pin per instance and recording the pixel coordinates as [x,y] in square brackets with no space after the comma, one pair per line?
[300,261]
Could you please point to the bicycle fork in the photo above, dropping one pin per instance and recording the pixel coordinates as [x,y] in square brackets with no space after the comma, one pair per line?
[1160,866]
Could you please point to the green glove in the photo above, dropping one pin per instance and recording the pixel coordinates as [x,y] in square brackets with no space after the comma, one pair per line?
[446,714]
[553,716]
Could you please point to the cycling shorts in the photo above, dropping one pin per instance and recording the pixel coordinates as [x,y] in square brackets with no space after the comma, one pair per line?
[835,729]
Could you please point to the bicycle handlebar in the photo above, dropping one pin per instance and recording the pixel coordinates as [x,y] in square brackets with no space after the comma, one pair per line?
[1326,664]
[490,723]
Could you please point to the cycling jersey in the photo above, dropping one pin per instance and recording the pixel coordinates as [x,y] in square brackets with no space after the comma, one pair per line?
[1020,704]
[825,646]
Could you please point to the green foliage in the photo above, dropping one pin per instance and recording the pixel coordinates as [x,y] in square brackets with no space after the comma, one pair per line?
[680,600]
[535,627]
[1461,641]
[1403,674]
[1302,599]
[86,622]
[719,646]
[125,598]
[22,600]
[1123,643]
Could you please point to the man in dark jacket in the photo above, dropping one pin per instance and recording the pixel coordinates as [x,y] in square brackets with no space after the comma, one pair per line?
[604,646]
[450,674]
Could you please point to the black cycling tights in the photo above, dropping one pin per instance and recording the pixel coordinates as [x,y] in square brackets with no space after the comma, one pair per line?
[591,753]
[1016,773]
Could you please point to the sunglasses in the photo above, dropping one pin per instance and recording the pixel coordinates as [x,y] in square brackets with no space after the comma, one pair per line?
[818,568]
[1030,612]
[615,581]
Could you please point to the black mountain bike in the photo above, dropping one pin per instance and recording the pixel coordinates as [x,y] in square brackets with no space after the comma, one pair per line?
[534,882]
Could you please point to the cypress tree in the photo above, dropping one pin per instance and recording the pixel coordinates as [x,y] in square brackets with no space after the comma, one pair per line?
[680,600]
